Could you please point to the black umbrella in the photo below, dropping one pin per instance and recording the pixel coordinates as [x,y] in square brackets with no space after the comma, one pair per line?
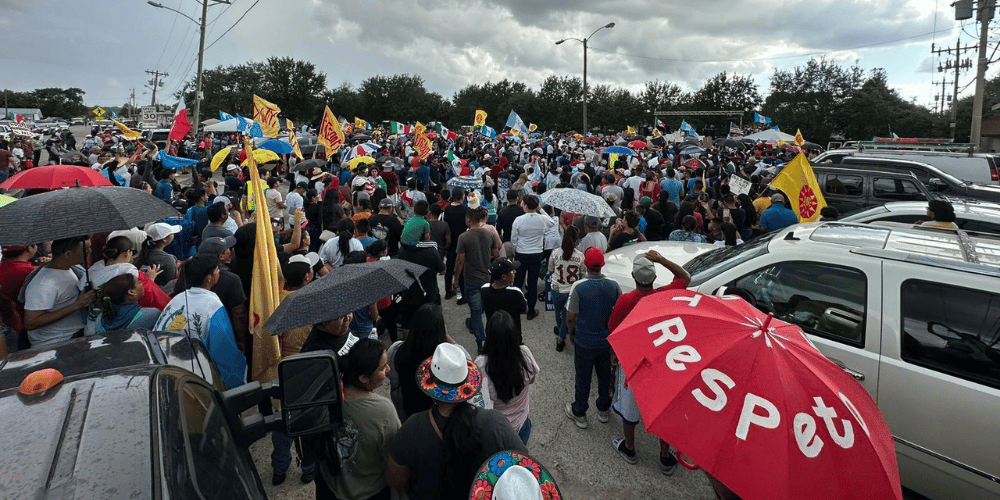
[72,157]
[361,137]
[346,289]
[811,146]
[658,141]
[730,143]
[302,166]
[77,212]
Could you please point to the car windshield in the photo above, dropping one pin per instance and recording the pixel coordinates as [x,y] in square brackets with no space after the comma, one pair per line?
[864,213]
[711,264]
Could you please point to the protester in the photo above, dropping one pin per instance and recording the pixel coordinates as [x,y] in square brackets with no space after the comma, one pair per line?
[777,216]
[336,248]
[509,369]
[53,305]
[153,255]
[116,303]
[498,295]
[941,213]
[565,268]
[687,231]
[455,215]
[474,250]
[528,237]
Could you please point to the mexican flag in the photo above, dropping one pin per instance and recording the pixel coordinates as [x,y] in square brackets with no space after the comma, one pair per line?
[444,132]
[451,156]
[399,128]
[14,117]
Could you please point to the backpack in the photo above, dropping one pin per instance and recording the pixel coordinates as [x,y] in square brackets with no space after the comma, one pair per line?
[380,232]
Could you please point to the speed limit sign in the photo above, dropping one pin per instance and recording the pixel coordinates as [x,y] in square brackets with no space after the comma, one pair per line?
[149,115]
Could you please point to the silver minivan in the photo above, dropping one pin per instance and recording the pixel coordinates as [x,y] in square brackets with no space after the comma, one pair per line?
[912,313]
[977,168]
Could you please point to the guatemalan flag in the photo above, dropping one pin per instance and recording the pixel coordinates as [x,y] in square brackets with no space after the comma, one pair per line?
[198,311]
[223,116]
[515,123]
[489,132]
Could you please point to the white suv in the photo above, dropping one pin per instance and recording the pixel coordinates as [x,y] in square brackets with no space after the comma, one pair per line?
[913,313]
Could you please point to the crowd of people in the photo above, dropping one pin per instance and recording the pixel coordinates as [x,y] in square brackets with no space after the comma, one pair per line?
[497,245]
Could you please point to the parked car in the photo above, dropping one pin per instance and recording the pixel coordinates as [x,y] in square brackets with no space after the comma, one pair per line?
[142,415]
[977,168]
[971,216]
[936,180]
[158,136]
[849,189]
[911,312]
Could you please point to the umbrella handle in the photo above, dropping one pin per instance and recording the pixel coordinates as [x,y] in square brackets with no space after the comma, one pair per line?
[682,460]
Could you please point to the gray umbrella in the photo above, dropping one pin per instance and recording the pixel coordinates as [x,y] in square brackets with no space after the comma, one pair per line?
[77,212]
[578,202]
[465,182]
[346,289]
[306,165]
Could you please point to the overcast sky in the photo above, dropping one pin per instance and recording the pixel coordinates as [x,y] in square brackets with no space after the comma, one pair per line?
[104,46]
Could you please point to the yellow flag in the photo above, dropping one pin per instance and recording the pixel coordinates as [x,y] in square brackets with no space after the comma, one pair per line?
[331,136]
[360,124]
[127,132]
[266,114]
[631,129]
[480,118]
[419,129]
[799,141]
[798,182]
[292,139]
[264,289]
[532,127]
[657,132]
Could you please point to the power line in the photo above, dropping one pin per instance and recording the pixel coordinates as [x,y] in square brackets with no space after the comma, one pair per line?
[234,25]
[165,44]
[770,58]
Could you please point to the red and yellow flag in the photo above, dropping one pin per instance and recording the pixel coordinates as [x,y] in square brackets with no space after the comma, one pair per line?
[422,144]
[292,139]
[266,114]
[360,124]
[799,141]
[127,132]
[799,183]
[480,119]
[331,136]
[264,291]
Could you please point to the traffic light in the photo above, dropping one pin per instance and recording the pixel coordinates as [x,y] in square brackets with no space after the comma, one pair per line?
[963,10]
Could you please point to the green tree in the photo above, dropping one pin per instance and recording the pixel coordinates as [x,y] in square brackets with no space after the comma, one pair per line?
[876,110]
[343,101]
[810,98]
[400,98]
[295,86]
[56,102]
[723,92]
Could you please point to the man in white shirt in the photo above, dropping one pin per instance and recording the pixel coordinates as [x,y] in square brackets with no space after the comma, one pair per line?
[528,238]
[52,302]
[294,200]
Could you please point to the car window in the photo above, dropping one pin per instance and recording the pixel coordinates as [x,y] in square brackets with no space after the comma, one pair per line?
[215,467]
[978,226]
[844,185]
[824,299]
[952,329]
[897,190]
[711,264]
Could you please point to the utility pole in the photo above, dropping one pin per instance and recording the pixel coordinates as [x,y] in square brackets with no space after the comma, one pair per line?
[131,103]
[986,10]
[155,83]
[941,98]
[957,64]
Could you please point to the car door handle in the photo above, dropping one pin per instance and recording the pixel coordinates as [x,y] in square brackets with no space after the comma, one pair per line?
[860,377]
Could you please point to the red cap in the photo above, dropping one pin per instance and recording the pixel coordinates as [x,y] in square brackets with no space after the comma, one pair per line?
[593,258]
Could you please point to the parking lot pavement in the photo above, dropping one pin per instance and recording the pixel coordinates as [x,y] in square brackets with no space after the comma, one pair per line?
[582,461]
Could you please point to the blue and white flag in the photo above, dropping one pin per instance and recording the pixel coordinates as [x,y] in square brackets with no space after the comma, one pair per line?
[175,162]
[515,123]
[757,118]
[114,115]
[199,312]
[249,127]
[687,128]
[225,116]
[489,132]
[242,124]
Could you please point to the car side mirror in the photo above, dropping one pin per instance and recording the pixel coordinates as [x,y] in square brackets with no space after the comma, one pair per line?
[311,393]
[936,184]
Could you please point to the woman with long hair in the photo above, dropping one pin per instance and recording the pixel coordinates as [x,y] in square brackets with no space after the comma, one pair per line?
[117,305]
[668,210]
[565,268]
[427,330]
[510,369]
[731,237]
[336,248]
[370,423]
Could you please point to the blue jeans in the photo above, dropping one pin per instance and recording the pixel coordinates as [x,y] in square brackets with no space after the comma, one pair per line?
[587,361]
[281,457]
[475,301]
[559,301]
[530,263]
[525,431]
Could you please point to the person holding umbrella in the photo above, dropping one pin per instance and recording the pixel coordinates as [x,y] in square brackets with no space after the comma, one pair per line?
[644,274]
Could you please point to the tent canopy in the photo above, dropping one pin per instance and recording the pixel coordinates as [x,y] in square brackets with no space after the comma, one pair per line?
[227,126]
[770,135]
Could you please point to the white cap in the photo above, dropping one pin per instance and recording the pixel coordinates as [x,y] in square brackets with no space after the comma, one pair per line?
[161,230]
[517,483]
[311,258]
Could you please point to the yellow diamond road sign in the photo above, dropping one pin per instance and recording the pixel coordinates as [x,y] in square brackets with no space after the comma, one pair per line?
[99,111]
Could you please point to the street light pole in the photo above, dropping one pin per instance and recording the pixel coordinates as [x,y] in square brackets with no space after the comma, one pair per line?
[584,41]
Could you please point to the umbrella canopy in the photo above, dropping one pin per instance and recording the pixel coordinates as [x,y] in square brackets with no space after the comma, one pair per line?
[465,182]
[55,177]
[78,211]
[752,401]
[577,202]
[637,145]
[811,146]
[730,143]
[693,164]
[591,140]
[366,149]
[73,157]
[262,156]
[278,146]
[358,161]
[346,289]
[619,150]
[658,141]
[771,135]
[692,150]
[220,157]
[361,137]
[303,166]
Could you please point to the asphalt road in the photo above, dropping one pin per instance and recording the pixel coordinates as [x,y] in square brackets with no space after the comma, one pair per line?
[582,461]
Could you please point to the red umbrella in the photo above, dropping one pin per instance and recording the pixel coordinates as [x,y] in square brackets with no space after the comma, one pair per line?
[637,145]
[591,140]
[752,401]
[55,177]
[693,164]
[432,135]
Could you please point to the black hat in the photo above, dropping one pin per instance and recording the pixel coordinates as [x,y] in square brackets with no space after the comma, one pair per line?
[502,266]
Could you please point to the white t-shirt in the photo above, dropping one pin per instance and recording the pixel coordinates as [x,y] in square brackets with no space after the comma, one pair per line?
[293,202]
[51,290]
[330,253]
[273,197]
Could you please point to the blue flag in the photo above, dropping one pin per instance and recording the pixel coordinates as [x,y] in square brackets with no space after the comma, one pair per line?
[225,116]
[242,124]
[489,132]
[175,162]
[515,123]
[114,115]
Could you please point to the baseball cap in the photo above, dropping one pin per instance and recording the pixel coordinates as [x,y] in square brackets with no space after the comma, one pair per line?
[645,201]
[311,258]
[222,199]
[232,167]
[643,270]
[593,258]
[161,230]
[216,245]
[502,266]
[592,221]
[302,185]
[385,203]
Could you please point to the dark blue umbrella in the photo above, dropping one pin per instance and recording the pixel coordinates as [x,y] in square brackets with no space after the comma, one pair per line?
[277,146]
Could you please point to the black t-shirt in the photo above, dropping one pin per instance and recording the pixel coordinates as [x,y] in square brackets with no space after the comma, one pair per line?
[505,220]
[429,258]
[620,240]
[229,289]
[234,183]
[508,299]
[395,228]
[455,217]
[654,225]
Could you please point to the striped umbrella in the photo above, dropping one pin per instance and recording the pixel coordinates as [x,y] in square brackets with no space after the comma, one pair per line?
[366,149]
